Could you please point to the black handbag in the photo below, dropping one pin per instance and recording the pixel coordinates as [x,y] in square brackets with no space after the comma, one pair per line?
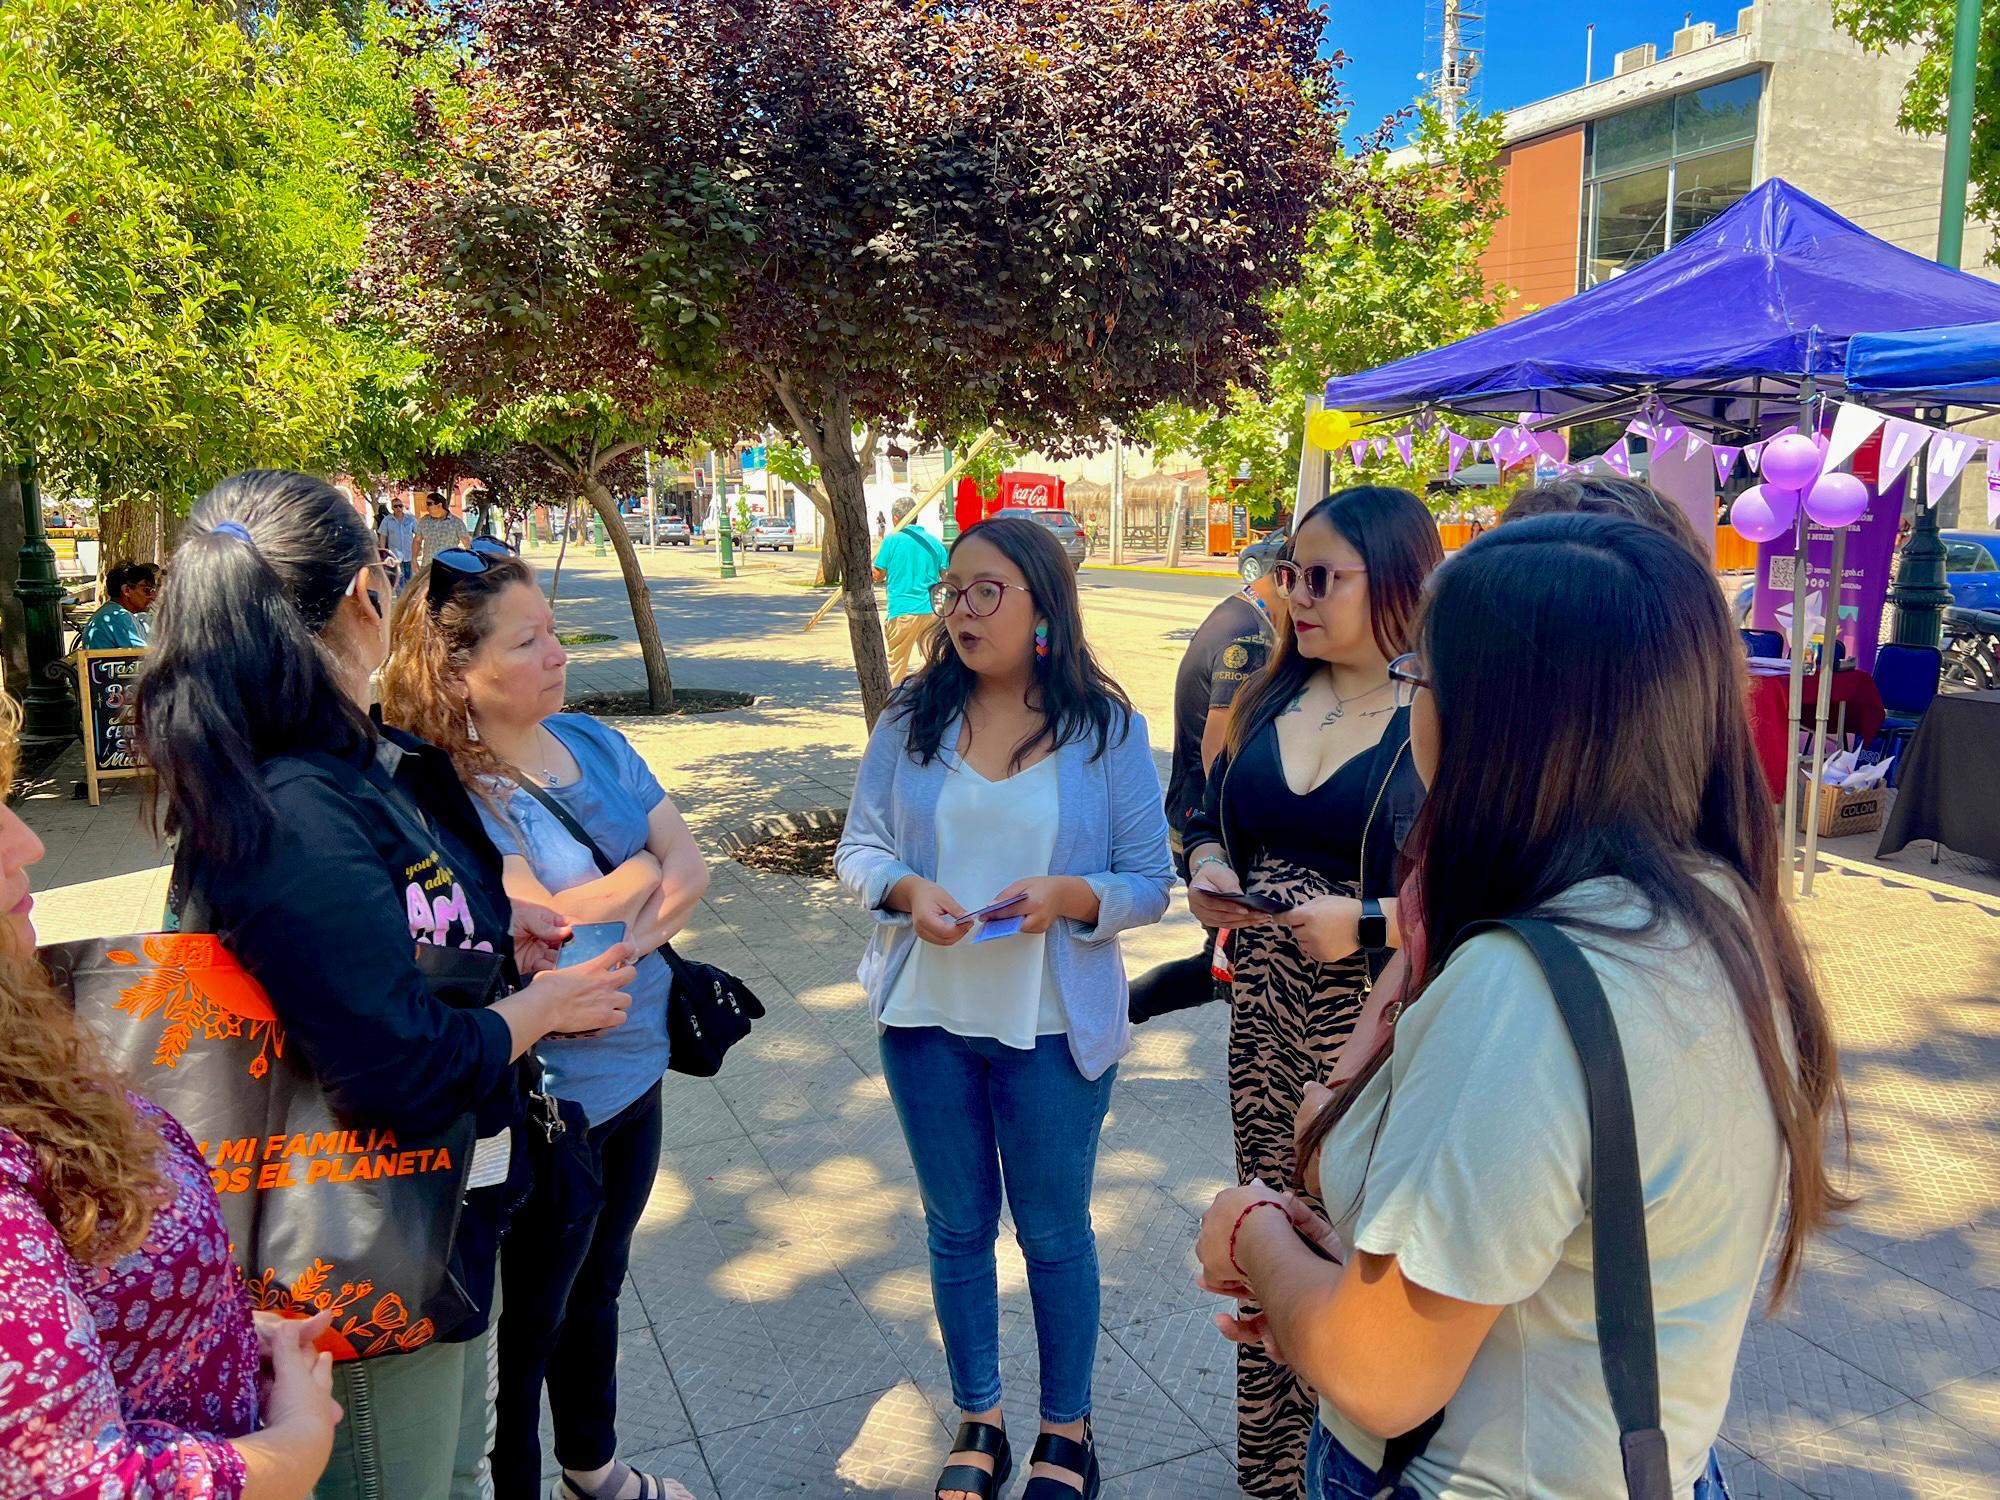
[709,1010]
[1621,1271]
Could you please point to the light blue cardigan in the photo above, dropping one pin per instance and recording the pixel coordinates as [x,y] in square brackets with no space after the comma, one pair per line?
[1111,828]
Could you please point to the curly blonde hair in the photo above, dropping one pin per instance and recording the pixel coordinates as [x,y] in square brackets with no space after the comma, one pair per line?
[98,1156]
[423,681]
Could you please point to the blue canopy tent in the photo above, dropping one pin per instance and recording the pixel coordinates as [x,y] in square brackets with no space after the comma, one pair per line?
[1733,320]
[1955,366]
[1747,316]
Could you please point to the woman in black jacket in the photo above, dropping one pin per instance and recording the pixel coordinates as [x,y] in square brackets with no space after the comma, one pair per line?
[1306,809]
[347,871]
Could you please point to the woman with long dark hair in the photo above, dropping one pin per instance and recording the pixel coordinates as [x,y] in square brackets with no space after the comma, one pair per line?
[1306,808]
[1010,773]
[1578,717]
[476,669]
[325,854]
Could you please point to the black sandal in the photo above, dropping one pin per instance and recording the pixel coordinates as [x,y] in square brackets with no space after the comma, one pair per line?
[650,1488]
[979,1437]
[1065,1453]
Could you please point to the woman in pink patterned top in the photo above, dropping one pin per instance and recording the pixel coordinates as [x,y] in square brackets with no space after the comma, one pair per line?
[129,1361]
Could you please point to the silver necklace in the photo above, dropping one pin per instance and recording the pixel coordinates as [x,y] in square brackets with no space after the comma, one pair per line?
[542,737]
[1339,709]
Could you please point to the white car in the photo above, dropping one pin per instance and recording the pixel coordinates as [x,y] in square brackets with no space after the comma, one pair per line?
[773,532]
[674,531]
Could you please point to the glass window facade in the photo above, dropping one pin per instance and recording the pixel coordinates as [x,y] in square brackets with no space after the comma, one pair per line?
[1660,170]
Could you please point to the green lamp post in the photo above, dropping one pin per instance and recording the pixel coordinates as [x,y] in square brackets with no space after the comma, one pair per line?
[1920,594]
[48,707]
[725,524]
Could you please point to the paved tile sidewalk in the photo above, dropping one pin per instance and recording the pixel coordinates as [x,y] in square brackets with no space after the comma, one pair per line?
[779,1339]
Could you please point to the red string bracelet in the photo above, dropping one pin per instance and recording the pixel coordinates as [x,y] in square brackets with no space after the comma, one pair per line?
[1238,1229]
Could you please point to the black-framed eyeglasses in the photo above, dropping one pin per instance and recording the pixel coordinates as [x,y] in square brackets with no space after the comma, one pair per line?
[1407,673]
[469,561]
[1309,584]
[981,597]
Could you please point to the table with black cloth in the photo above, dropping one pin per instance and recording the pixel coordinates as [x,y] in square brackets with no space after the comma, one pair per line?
[1946,786]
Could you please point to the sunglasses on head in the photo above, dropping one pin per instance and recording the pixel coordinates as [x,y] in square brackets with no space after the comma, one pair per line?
[456,563]
[1308,585]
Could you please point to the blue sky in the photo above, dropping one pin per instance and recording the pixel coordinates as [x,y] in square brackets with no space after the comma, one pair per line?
[1534,48]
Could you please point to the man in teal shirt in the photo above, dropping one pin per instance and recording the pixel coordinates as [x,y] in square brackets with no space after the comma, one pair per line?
[119,624]
[909,561]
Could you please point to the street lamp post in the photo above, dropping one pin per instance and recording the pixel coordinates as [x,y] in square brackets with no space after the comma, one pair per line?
[724,527]
[1920,594]
[48,709]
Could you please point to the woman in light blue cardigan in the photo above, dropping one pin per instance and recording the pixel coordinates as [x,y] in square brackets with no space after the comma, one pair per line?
[1010,776]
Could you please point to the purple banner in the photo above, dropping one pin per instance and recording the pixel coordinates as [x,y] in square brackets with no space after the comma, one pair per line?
[1864,569]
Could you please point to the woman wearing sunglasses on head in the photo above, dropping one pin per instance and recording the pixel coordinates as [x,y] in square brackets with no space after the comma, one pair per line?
[1011,773]
[1306,809]
[1579,722]
[328,856]
[476,669]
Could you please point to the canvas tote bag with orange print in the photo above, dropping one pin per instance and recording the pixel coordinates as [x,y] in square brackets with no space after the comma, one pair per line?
[322,1212]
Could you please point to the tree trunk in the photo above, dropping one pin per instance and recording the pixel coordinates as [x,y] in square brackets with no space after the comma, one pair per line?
[840,469]
[128,529]
[13,618]
[829,546]
[659,678]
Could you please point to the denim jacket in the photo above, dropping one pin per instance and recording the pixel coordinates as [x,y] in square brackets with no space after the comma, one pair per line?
[1110,829]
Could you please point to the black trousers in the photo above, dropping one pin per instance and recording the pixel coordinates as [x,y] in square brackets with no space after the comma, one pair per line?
[561,1267]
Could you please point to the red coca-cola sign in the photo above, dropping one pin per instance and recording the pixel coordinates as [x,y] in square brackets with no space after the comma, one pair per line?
[1031,491]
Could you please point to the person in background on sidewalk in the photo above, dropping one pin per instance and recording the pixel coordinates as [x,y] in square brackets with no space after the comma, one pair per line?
[1308,805]
[908,561]
[398,536]
[112,1385]
[476,669]
[436,530]
[1458,1166]
[1228,648]
[306,838]
[119,623]
[1010,770]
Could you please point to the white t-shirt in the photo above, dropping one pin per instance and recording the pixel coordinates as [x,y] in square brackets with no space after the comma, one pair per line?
[989,835]
[1478,1182]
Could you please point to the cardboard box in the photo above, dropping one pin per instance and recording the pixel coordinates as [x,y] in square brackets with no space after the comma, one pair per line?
[1841,812]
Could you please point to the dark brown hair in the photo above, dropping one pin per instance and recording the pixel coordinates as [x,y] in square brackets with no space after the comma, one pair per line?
[1590,699]
[1398,542]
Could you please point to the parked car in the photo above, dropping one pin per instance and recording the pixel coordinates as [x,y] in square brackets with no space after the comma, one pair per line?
[1068,530]
[1255,560]
[773,532]
[674,531]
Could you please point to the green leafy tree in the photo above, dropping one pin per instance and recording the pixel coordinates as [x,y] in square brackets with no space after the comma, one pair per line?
[1930,25]
[1386,274]
[1031,214]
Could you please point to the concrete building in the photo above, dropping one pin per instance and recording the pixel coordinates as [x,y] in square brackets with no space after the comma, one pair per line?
[1607,175]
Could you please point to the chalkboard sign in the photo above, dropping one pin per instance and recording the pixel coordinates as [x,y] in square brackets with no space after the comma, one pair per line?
[104,681]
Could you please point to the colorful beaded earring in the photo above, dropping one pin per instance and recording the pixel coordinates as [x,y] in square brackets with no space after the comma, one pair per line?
[1042,641]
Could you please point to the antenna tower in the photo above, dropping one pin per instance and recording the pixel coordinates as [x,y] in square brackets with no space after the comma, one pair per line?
[1455,44]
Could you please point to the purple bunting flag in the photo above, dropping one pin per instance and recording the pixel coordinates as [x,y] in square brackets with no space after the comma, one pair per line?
[1725,461]
[1616,458]
[1455,446]
[1902,441]
[1358,451]
[1950,453]
[1379,447]
[1403,449]
[1993,484]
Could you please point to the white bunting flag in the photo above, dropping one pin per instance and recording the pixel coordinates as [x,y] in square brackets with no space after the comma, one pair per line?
[1993,484]
[1852,426]
[1902,441]
[1950,453]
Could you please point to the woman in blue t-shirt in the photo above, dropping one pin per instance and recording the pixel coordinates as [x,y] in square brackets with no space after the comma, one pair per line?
[475,667]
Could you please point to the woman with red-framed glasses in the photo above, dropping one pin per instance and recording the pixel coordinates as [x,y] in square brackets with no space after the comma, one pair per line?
[1295,849]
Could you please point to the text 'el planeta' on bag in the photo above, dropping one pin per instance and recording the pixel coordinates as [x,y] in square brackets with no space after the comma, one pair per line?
[322,1213]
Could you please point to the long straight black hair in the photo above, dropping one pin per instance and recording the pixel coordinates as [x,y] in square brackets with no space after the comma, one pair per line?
[1590,691]
[1398,542]
[239,670]
[1077,698]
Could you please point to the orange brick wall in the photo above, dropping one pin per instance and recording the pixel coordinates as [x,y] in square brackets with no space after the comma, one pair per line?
[1534,248]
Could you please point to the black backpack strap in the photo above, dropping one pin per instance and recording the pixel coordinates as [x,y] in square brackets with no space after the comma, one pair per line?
[1621,1270]
[570,825]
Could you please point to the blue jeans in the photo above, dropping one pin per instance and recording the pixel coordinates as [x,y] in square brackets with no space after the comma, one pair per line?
[975,1112]
[1332,1473]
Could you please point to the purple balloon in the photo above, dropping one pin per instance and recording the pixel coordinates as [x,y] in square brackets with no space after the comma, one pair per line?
[1791,462]
[1763,513]
[1837,500]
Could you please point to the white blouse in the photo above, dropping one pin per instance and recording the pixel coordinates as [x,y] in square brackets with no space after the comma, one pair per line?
[989,835]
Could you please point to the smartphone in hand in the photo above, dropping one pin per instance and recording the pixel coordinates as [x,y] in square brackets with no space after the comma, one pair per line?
[1251,901]
[590,940]
[987,911]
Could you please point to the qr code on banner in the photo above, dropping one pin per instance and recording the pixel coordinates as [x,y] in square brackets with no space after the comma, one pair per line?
[1783,571]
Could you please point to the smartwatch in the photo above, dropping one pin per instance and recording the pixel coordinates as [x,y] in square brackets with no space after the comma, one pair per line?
[1374,927]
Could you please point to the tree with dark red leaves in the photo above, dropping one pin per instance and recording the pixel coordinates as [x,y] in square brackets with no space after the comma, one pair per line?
[1042,215]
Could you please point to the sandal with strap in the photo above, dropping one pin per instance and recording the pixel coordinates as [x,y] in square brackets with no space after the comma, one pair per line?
[970,1479]
[650,1488]
[1066,1453]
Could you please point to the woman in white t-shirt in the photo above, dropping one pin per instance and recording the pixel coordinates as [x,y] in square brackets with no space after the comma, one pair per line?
[1578,717]
[1011,770]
